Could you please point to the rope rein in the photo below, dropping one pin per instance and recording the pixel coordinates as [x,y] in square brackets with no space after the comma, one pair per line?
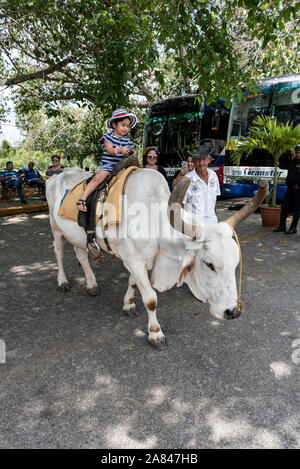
[240,303]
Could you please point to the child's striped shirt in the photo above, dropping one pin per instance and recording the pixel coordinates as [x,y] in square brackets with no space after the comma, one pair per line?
[108,161]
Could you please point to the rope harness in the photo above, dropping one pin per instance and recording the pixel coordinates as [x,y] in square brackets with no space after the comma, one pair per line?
[240,303]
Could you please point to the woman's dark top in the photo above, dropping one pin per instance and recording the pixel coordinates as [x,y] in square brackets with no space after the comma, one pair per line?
[162,171]
[176,174]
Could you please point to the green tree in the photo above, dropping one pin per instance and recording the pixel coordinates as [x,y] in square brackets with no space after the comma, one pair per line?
[85,50]
[7,152]
[73,133]
[90,131]
[104,54]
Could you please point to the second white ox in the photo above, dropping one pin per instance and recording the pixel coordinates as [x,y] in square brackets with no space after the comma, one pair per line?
[204,257]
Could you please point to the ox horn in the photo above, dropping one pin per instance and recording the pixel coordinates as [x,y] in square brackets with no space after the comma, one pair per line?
[174,211]
[251,206]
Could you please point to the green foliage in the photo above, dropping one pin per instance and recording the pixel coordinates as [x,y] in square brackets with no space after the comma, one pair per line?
[6,150]
[83,51]
[267,134]
[90,131]
[103,54]
[74,134]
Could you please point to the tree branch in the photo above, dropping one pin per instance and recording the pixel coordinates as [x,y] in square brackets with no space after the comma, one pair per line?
[41,73]
[143,88]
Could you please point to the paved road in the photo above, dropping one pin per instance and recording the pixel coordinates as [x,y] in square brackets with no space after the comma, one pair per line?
[80,375]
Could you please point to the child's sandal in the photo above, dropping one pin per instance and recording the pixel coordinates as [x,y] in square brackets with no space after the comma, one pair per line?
[81,204]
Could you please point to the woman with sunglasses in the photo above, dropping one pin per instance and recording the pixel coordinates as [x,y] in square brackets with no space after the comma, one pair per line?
[56,168]
[151,162]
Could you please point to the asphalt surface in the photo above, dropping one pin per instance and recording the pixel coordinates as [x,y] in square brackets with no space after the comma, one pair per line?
[79,374]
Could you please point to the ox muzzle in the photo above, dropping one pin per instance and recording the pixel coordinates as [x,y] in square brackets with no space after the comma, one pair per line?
[233,314]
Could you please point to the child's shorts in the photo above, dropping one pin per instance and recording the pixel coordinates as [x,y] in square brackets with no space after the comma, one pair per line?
[106,166]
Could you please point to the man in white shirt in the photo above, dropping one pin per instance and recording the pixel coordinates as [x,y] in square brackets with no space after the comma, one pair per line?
[201,196]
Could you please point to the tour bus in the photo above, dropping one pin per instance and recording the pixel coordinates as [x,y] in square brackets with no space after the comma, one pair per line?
[278,97]
[175,125]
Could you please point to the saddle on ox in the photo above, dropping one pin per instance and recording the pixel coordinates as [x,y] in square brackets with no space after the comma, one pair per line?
[108,192]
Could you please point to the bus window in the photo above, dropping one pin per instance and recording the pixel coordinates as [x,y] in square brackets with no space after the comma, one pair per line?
[286,103]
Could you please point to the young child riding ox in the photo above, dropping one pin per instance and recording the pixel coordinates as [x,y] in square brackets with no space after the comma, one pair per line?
[116,147]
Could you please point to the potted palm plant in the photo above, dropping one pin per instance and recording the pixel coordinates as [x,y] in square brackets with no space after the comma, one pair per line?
[276,138]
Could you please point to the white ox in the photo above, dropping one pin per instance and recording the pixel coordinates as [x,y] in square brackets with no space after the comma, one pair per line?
[203,257]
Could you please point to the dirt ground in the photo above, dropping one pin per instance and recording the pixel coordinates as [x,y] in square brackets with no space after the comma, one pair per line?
[79,374]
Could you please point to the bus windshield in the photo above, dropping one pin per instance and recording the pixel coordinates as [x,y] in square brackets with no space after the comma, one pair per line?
[242,114]
[172,126]
[281,100]
[286,102]
[176,125]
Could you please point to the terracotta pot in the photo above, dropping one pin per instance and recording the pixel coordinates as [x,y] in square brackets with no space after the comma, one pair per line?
[270,216]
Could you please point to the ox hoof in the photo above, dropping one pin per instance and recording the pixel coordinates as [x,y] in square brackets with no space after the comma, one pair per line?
[93,291]
[130,313]
[64,287]
[160,345]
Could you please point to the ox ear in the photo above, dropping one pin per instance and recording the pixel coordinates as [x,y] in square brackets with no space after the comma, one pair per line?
[186,268]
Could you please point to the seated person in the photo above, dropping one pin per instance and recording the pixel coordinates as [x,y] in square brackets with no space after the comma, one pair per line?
[56,168]
[13,179]
[33,177]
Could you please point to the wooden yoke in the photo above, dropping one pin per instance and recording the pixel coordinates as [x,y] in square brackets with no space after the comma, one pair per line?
[251,206]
